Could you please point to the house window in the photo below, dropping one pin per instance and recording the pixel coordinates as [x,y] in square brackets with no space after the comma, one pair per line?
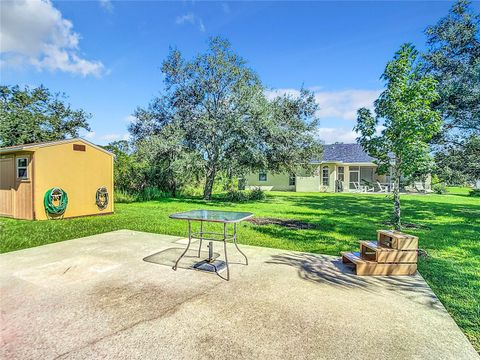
[291,180]
[22,168]
[325,176]
[262,176]
[341,173]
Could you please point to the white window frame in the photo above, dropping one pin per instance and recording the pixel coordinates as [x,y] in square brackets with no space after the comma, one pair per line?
[341,173]
[260,177]
[325,180]
[18,167]
[354,170]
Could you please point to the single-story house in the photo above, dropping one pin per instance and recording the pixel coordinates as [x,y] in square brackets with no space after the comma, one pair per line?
[343,168]
[66,178]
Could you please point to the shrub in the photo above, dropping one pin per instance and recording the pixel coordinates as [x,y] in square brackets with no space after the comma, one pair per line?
[236,196]
[474,192]
[256,194]
[439,188]
[152,193]
[124,197]
[190,191]
[244,195]
[147,194]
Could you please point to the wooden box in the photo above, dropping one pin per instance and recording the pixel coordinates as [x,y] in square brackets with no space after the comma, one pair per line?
[396,240]
[371,251]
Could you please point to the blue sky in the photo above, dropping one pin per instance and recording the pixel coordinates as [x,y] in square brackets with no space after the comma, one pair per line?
[106,56]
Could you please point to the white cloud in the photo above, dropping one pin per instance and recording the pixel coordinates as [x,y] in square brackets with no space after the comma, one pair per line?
[129,119]
[187,18]
[33,32]
[115,137]
[332,135]
[90,135]
[201,26]
[335,104]
[107,5]
[191,19]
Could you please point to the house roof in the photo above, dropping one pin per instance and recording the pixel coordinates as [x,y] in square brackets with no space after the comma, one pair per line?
[347,153]
[33,146]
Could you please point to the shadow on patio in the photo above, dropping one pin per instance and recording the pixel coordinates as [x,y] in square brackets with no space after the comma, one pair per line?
[327,270]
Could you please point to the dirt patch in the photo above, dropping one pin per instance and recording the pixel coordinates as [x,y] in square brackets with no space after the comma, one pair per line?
[409,225]
[288,223]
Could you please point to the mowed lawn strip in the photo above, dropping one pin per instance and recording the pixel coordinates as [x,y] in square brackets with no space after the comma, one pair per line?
[448,228]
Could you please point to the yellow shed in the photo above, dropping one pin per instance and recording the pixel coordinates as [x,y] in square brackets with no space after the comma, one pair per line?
[80,172]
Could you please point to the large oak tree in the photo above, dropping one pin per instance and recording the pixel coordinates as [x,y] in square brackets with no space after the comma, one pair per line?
[453,59]
[216,107]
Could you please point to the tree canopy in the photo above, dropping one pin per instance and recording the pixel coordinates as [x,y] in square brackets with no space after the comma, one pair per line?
[406,120]
[36,115]
[459,165]
[453,59]
[216,119]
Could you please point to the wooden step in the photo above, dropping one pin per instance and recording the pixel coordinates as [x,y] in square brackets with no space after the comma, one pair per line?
[397,240]
[364,267]
[354,257]
[384,254]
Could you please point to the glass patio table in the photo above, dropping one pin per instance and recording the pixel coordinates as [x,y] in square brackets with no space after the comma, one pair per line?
[213,216]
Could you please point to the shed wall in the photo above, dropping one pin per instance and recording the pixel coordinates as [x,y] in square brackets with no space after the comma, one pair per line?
[16,194]
[79,173]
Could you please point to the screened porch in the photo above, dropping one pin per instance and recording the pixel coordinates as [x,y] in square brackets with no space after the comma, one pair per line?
[360,178]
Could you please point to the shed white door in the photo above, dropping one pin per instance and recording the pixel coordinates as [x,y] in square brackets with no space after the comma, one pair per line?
[7,184]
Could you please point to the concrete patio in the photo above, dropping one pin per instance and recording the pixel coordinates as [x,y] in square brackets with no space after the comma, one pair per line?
[97,298]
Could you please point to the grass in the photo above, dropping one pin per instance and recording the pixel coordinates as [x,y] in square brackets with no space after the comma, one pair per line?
[450,233]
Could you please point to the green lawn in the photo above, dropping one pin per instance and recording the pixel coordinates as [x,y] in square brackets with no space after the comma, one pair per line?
[450,233]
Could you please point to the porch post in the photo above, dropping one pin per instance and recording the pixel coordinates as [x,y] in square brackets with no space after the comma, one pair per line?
[334,176]
[346,182]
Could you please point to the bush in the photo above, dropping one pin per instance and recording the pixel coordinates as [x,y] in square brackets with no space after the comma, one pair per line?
[439,188]
[474,192]
[236,196]
[245,195]
[124,197]
[152,193]
[147,194]
[256,194]
[192,191]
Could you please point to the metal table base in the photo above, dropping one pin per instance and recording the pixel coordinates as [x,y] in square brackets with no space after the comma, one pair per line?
[200,236]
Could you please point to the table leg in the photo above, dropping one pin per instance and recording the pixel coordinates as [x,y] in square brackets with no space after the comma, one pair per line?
[225,248]
[236,244]
[188,246]
[201,236]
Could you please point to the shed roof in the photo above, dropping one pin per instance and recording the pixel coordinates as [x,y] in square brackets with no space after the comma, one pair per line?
[347,153]
[33,146]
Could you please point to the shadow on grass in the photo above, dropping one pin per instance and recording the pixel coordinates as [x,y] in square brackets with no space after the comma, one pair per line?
[359,217]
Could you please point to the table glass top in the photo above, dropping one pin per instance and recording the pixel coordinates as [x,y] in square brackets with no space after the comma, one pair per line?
[212,215]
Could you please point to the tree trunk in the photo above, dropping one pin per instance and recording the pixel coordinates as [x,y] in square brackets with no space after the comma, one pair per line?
[396,201]
[207,191]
